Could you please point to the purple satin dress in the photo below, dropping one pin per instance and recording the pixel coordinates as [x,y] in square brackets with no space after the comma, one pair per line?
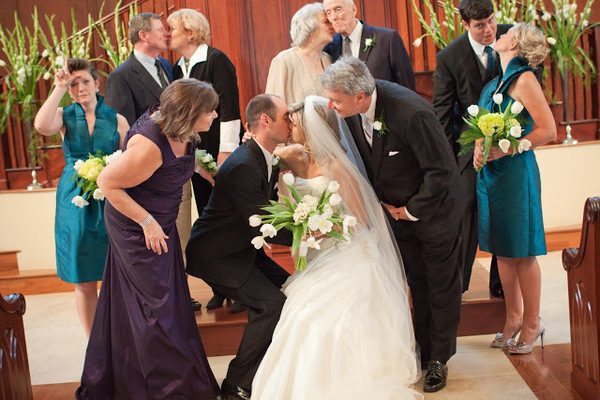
[144,342]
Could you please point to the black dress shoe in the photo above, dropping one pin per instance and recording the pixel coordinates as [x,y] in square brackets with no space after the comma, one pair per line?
[196,305]
[435,379]
[216,302]
[231,392]
[237,308]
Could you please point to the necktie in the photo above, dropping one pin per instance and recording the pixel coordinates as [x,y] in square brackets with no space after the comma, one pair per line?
[491,61]
[347,51]
[367,129]
[161,74]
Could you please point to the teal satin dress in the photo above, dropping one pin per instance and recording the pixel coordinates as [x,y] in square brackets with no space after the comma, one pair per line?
[80,234]
[509,188]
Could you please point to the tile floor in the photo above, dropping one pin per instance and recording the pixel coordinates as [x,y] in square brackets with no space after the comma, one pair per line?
[56,344]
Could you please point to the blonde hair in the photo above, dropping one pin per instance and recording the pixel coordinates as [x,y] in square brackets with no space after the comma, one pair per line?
[191,21]
[532,43]
[328,116]
[181,104]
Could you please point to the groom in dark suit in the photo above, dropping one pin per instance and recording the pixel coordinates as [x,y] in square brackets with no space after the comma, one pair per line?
[412,169]
[136,85]
[382,49]
[463,68]
[220,250]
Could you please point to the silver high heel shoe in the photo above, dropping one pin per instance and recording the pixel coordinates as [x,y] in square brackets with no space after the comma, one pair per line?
[526,348]
[500,343]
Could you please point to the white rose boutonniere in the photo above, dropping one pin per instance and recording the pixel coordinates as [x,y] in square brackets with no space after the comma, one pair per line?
[369,42]
[380,126]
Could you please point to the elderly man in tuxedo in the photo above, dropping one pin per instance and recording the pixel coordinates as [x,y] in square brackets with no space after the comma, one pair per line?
[381,49]
[412,169]
[137,84]
[220,250]
[463,69]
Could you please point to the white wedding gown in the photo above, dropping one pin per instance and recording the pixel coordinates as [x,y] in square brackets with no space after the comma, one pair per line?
[344,332]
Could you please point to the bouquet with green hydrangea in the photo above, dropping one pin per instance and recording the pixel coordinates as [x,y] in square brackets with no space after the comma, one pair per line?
[502,129]
[86,175]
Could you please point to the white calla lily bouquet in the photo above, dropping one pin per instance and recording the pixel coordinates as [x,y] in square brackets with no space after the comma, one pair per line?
[86,175]
[502,129]
[303,216]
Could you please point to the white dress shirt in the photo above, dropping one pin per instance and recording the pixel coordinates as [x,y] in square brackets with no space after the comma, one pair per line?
[149,63]
[479,50]
[269,158]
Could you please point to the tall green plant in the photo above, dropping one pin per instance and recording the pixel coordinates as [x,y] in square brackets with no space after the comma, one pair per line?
[511,11]
[452,26]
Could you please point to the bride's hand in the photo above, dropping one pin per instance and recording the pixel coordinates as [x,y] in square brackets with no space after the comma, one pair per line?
[155,238]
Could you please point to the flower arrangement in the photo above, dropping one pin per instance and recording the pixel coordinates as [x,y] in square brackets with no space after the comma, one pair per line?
[303,216]
[86,175]
[563,33]
[452,26]
[502,129]
[205,160]
[369,42]
[511,11]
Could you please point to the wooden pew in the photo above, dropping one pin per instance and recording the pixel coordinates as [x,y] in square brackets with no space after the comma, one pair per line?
[15,381]
[583,272]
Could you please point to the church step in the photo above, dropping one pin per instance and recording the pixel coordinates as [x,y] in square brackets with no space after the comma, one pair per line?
[9,264]
[38,281]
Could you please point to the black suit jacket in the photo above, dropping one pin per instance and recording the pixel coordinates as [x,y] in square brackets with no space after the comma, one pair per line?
[131,90]
[387,59]
[412,164]
[219,250]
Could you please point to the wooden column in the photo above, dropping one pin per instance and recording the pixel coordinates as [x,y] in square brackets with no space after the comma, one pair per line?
[583,272]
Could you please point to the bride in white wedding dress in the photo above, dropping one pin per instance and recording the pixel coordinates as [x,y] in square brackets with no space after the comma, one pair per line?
[345,331]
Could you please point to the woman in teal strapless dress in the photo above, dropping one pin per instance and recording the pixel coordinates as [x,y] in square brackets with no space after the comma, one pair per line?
[87,126]
[509,189]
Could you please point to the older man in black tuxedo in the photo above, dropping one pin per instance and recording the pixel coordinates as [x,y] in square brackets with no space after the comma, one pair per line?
[220,250]
[381,49]
[464,67]
[412,169]
[137,84]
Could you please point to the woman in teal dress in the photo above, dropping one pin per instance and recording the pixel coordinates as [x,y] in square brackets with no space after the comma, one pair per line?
[509,189]
[86,126]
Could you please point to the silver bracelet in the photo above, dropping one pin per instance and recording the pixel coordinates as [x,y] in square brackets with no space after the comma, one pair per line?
[146,221]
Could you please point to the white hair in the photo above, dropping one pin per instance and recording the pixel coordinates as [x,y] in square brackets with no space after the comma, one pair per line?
[304,23]
[349,75]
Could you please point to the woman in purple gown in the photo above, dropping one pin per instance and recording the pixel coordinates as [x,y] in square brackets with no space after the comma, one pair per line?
[144,342]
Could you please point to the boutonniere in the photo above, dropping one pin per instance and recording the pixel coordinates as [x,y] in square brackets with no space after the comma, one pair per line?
[276,161]
[380,126]
[369,42]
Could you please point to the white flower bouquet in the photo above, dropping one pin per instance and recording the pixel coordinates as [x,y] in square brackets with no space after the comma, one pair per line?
[502,129]
[302,216]
[205,160]
[86,175]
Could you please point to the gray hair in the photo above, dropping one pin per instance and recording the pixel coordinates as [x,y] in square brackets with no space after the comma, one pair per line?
[349,75]
[140,22]
[304,23]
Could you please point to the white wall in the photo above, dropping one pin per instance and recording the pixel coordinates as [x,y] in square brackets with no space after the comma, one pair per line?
[570,174]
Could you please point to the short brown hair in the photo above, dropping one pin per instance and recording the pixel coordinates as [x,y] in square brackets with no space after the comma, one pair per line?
[181,104]
[140,22]
[259,105]
[191,21]
[81,64]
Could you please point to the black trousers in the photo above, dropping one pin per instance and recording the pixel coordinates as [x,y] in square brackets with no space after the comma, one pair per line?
[434,276]
[262,294]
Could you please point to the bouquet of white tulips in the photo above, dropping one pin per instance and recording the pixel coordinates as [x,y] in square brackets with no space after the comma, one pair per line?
[303,216]
[86,175]
[502,129]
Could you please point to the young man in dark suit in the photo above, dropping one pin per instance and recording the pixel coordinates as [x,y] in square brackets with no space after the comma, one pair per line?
[463,69]
[381,49]
[220,250]
[412,169]
[137,83]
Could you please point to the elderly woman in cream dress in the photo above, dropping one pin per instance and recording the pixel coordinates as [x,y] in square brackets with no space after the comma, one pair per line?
[295,73]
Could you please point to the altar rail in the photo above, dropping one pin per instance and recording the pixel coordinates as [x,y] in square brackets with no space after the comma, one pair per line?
[583,272]
[251,33]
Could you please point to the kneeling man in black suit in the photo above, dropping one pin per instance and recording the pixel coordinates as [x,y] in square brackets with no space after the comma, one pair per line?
[220,252]
[412,169]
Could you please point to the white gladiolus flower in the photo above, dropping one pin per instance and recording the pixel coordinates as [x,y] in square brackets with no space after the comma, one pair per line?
[113,156]
[504,144]
[497,98]
[516,107]
[81,52]
[2,63]
[254,220]
[45,53]
[124,50]
[377,125]
[333,186]
[268,230]
[546,16]
[498,14]
[574,7]
[524,145]
[444,23]
[585,22]
[258,242]
[567,8]
[417,42]
[79,201]
[335,199]
[47,76]
[515,131]
[98,195]
[288,179]
[78,164]
[473,110]
[60,61]
[551,40]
